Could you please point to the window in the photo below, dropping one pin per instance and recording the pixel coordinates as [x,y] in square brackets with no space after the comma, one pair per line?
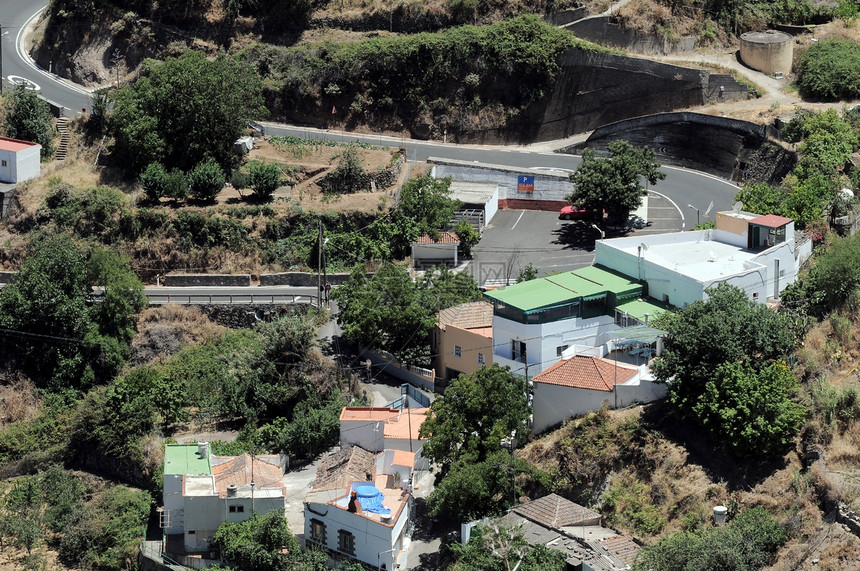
[345,542]
[480,358]
[318,531]
[458,351]
[191,532]
[560,350]
[755,295]
[4,163]
[237,509]
[518,351]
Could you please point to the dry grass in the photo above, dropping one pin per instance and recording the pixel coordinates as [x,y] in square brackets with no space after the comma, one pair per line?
[163,331]
[19,401]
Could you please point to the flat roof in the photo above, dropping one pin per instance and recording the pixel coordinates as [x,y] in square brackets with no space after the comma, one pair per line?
[473,192]
[185,459]
[7,144]
[557,289]
[639,307]
[702,260]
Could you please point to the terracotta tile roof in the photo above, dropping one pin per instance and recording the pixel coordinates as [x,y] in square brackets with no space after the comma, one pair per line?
[404,458]
[771,221]
[587,372]
[410,420]
[554,512]
[238,472]
[368,413]
[341,468]
[622,547]
[444,238]
[472,315]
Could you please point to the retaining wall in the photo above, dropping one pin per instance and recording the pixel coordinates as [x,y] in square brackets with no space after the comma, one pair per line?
[564,17]
[604,31]
[303,279]
[245,316]
[7,277]
[223,280]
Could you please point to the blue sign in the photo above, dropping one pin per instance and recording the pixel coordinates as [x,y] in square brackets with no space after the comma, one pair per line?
[525,184]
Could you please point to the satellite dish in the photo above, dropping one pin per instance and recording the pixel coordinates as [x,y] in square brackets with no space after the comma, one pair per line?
[708,211]
[736,207]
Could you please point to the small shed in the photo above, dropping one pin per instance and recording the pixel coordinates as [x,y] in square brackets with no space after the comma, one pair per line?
[19,160]
[429,251]
[480,202]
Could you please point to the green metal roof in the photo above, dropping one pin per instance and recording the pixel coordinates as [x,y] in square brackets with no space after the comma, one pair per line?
[638,309]
[184,459]
[561,288]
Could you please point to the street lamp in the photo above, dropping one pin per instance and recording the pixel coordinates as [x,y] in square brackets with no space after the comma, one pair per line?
[6,33]
[697,213]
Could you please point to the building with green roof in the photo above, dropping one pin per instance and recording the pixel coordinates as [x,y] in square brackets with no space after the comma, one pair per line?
[534,322]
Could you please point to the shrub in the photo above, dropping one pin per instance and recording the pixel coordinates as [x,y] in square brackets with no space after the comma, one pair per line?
[206,180]
[264,178]
[830,70]
[154,180]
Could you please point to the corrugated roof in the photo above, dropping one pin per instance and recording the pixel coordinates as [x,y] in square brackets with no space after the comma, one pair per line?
[472,315]
[444,238]
[639,307]
[586,372]
[554,511]
[771,221]
[557,289]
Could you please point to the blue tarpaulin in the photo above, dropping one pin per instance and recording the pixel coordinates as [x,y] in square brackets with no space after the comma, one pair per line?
[371,499]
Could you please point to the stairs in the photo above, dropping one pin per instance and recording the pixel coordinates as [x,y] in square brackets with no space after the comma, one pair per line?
[63,129]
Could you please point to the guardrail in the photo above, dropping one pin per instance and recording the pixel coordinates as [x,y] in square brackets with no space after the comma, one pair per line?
[231,299]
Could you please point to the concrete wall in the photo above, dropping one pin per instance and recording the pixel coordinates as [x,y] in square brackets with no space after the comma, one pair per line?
[692,140]
[768,52]
[393,368]
[27,164]
[367,434]
[553,403]
[223,280]
[563,17]
[470,343]
[302,279]
[604,31]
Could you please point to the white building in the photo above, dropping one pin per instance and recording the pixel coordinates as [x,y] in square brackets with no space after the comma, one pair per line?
[382,429]
[429,251]
[202,491]
[19,160]
[758,254]
[374,534]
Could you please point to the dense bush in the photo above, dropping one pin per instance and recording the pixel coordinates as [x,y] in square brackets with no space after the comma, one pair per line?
[263,178]
[830,70]
[28,117]
[206,180]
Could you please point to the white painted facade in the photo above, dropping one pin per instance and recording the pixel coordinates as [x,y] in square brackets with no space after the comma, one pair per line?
[543,340]
[447,252]
[19,160]
[555,403]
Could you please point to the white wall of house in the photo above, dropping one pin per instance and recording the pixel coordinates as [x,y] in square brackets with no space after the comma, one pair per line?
[375,542]
[543,340]
[203,515]
[435,252]
[173,503]
[385,465]
[554,403]
[18,166]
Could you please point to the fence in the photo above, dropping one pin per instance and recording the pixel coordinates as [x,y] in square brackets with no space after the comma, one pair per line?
[231,299]
[417,376]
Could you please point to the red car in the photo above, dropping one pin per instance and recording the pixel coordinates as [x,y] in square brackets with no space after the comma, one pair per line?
[574,212]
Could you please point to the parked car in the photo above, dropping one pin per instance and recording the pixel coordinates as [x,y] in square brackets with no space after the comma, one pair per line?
[574,212]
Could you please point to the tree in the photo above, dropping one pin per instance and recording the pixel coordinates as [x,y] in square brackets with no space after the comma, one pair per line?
[751,411]
[614,184]
[428,202]
[474,415]
[390,311]
[64,339]
[185,109]
[206,180]
[725,328]
[154,180]
[527,273]
[264,178]
[833,281]
[348,176]
[29,118]
[828,71]
[468,236]
[495,547]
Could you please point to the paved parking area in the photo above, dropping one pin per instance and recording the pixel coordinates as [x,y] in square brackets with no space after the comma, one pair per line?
[515,238]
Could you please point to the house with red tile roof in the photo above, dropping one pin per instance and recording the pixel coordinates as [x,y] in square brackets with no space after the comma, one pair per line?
[584,383]
[202,491]
[19,160]
[462,340]
[440,250]
[378,428]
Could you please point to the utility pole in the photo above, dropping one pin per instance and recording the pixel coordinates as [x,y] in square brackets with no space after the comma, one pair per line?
[319,265]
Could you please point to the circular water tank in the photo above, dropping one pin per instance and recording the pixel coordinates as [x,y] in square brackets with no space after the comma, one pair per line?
[720,514]
[769,52]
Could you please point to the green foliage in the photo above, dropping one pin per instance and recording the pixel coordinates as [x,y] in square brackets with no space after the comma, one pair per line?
[494,547]
[527,273]
[628,504]
[264,178]
[315,426]
[348,176]
[64,340]
[183,110]
[613,184]
[834,406]
[832,281]
[830,70]
[468,236]
[726,328]
[762,198]
[98,118]
[154,179]
[41,439]
[750,411]
[748,543]
[29,118]
[390,311]
[206,180]
[427,202]
[468,423]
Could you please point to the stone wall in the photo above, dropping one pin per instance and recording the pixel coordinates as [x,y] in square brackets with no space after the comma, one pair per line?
[7,201]
[245,316]
[604,31]
[301,279]
[693,140]
[7,277]
[381,178]
[723,87]
[223,280]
